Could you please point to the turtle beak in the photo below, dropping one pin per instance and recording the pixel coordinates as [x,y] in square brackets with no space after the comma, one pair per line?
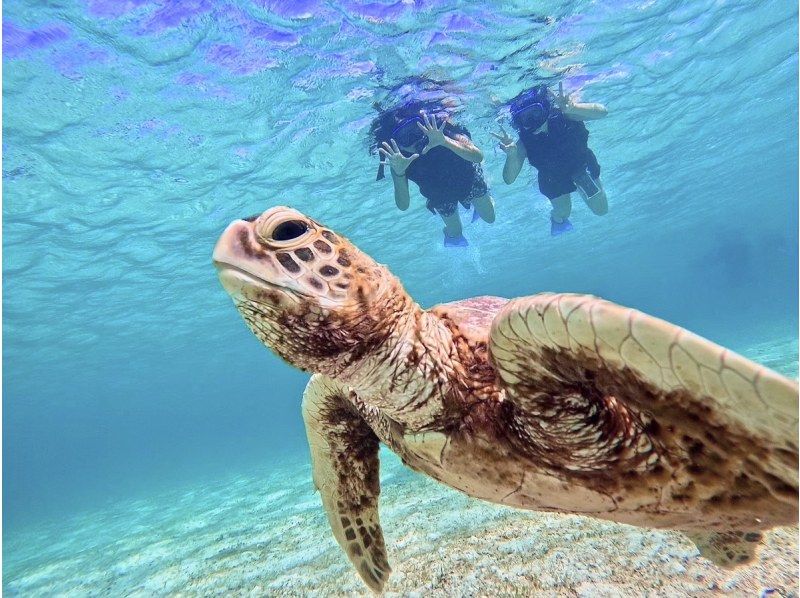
[246,267]
[229,247]
[231,259]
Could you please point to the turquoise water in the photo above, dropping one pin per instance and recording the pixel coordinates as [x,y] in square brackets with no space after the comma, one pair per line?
[135,131]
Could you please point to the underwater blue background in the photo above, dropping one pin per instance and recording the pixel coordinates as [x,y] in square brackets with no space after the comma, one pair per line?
[134,131]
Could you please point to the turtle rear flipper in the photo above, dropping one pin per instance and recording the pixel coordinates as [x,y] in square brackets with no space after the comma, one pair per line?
[608,396]
[727,549]
[344,459]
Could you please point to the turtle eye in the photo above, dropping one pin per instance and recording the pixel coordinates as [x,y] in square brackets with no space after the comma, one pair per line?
[288,230]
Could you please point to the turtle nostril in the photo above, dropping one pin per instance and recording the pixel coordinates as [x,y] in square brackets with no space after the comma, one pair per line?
[291,229]
[251,218]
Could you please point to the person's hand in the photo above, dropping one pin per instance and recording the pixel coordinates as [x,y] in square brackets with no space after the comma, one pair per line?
[435,134]
[507,143]
[564,102]
[395,158]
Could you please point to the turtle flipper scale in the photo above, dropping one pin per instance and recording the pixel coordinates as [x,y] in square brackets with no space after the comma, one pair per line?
[344,457]
[632,404]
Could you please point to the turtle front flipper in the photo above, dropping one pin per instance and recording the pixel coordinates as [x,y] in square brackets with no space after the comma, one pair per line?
[344,458]
[677,430]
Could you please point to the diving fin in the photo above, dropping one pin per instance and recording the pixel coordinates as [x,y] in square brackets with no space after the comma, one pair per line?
[458,241]
[559,228]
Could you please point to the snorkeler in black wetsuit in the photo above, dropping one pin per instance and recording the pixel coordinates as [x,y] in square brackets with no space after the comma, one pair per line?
[555,142]
[440,158]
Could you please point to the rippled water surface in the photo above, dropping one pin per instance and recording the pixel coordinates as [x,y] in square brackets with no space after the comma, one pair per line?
[134,131]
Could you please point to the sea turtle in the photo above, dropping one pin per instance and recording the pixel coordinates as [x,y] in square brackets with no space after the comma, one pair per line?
[553,402]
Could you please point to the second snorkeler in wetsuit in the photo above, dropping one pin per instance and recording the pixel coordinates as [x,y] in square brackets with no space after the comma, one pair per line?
[442,160]
[555,142]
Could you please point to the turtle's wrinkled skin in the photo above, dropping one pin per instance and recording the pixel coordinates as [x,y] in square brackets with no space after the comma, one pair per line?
[553,402]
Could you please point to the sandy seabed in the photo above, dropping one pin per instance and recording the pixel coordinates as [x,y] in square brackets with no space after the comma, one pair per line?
[266,535]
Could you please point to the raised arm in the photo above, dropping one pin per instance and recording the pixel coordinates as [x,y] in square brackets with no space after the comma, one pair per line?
[461,145]
[585,111]
[398,164]
[515,156]
[401,196]
[578,111]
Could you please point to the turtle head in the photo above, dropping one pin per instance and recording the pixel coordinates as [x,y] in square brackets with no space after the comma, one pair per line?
[306,292]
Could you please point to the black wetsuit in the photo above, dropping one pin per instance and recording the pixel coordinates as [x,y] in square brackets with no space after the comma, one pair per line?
[446,179]
[559,153]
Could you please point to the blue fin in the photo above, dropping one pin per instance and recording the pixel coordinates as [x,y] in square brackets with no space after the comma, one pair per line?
[458,241]
[559,228]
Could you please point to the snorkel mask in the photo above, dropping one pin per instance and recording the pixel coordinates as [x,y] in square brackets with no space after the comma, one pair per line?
[531,110]
[408,134]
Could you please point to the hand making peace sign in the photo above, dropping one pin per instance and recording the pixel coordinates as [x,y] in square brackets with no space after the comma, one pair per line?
[564,102]
[507,143]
